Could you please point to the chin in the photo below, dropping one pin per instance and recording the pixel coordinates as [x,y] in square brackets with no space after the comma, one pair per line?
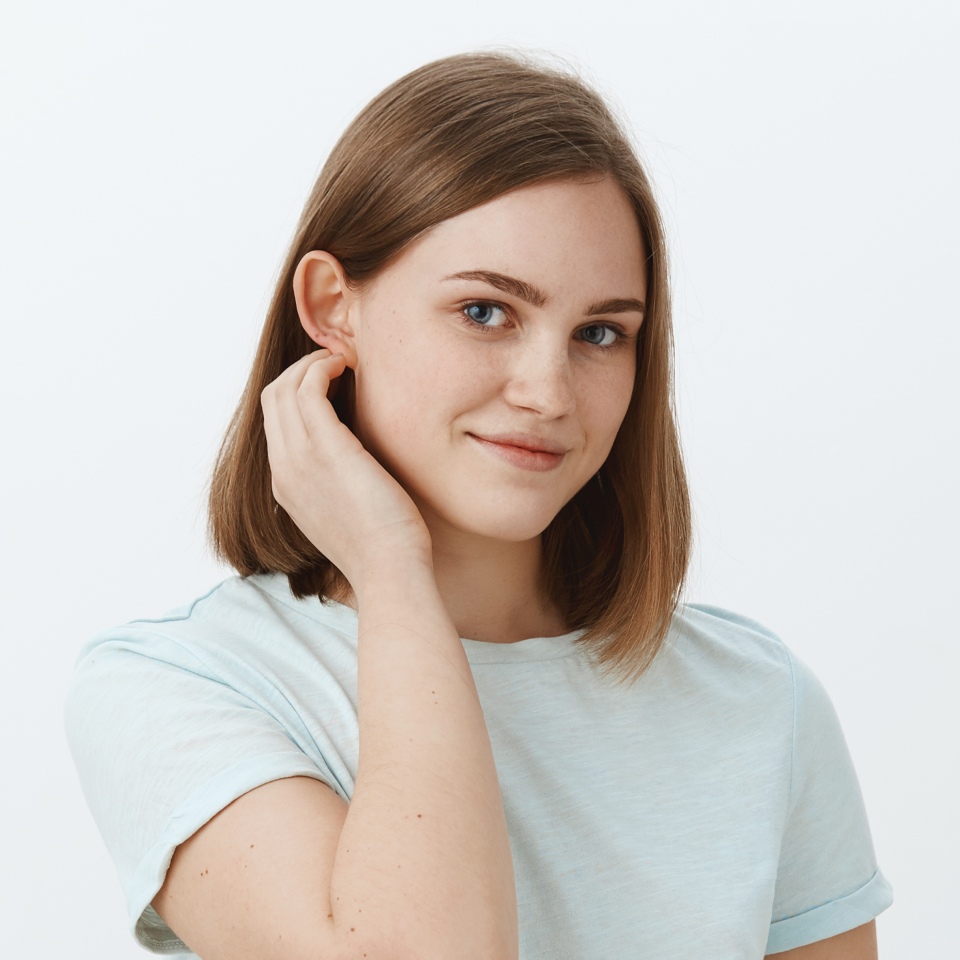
[493,522]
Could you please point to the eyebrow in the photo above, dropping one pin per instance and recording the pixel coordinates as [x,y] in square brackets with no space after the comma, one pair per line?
[531,294]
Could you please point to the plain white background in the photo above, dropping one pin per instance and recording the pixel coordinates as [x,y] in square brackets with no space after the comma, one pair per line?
[155,159]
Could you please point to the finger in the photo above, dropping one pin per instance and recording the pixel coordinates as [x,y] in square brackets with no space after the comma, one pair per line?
[317,412]
[282,419]
[286,434]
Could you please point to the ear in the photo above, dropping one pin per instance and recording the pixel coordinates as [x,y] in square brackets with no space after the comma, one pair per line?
[324,302]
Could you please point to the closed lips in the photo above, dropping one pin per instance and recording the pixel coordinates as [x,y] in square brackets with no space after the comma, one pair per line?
[533,444]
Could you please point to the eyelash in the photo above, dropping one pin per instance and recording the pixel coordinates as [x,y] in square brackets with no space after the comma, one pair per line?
[621,336]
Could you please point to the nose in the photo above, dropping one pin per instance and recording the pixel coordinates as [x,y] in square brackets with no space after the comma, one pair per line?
[540,379]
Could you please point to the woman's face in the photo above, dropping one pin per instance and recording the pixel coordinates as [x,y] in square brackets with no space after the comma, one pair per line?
[496,356]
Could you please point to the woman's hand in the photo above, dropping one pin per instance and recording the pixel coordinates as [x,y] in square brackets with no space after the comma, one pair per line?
[342,499]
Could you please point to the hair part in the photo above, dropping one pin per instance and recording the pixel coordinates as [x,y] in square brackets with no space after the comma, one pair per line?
[445,138]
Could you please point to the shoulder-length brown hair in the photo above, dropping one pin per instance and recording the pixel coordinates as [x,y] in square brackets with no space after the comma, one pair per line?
[447,137]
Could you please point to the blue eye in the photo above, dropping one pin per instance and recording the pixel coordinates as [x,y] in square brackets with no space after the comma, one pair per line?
[484,314]
[600,335]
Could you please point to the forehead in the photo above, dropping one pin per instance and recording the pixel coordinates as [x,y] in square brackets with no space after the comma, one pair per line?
[572,238]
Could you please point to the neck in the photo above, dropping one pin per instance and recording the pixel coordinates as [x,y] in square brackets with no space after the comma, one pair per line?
[492,589]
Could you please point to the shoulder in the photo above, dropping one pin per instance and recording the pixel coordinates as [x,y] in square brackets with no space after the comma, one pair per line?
[248,636]
[732,662]
[238,602]
[715,639]
[245,656]
[239,613]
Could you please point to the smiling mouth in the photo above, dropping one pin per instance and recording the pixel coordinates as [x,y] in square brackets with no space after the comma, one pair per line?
[527,454]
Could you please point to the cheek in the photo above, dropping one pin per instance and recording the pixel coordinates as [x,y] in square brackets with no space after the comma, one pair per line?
[406,398]
[604,406]
[422,372]
[386,371]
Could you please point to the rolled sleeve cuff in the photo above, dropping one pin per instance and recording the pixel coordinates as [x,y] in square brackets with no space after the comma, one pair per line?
[832,918]
[148,928]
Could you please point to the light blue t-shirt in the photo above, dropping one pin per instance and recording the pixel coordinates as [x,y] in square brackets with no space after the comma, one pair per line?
[711,811]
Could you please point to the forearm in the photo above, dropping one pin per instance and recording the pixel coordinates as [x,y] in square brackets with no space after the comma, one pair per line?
[424,853]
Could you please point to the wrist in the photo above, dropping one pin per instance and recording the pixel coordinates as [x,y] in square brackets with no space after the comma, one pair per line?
[396,577]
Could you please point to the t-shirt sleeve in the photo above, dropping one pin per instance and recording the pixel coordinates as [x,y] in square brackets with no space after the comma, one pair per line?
[161,745]
[828,881]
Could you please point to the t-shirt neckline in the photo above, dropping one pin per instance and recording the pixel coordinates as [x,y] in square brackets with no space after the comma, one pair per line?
[344,617]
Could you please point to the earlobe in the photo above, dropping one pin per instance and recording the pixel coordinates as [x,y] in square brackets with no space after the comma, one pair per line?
[323,303]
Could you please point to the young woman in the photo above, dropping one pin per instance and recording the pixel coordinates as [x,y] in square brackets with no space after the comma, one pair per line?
[451,708]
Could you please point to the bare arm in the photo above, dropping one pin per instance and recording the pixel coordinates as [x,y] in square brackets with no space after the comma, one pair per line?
[857,944]
[418,865]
